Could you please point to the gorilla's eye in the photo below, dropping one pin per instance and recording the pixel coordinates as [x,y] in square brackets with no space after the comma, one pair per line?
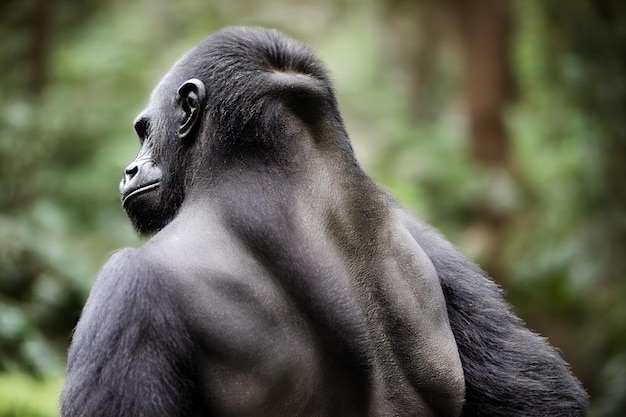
[141,127]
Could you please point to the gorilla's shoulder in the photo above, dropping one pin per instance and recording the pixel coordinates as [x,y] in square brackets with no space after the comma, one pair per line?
[143,263]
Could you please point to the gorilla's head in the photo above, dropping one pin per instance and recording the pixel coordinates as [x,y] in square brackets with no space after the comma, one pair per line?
[240,94]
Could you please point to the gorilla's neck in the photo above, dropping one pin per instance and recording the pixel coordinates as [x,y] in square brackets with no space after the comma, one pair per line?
[264,203]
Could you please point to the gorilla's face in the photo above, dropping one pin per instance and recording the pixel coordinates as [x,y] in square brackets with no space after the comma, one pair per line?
[152,189]
[142,187]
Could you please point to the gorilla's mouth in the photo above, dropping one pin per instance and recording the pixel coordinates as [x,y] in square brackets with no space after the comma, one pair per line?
[139,191]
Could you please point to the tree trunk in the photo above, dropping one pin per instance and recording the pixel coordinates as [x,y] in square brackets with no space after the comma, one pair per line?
[38,55]
[484,29]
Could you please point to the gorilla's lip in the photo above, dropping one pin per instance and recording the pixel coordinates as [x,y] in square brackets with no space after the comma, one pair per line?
[141,190]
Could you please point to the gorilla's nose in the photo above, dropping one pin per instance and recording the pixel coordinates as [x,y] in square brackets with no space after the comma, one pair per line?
[130,172]
[140,176]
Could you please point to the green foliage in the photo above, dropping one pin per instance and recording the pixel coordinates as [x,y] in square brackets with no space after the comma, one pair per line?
[24,396]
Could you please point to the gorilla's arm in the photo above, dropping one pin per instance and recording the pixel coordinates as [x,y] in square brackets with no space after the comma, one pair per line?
[129,358]
[509,370]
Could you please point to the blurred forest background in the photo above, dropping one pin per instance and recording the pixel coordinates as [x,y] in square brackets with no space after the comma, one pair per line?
[501,122]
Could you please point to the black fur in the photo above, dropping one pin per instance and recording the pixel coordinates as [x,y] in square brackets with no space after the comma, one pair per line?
[509,370]
[282,280]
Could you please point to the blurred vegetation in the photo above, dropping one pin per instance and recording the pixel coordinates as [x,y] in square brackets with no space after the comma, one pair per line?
[24,396]
[547,218]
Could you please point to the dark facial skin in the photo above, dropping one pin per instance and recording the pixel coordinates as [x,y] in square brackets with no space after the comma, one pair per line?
[281,280]
[141,187]
[152,188]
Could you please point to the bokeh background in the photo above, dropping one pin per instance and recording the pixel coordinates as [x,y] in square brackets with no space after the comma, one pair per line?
[501,122]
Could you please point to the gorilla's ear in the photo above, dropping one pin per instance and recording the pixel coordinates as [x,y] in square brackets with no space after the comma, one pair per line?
[192,98]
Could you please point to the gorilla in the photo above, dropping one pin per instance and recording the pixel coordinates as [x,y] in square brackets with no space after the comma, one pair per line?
[280,280]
